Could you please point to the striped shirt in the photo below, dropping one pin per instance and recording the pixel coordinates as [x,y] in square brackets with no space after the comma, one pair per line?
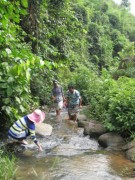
[21,125]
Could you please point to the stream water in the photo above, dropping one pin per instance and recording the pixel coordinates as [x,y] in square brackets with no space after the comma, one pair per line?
[69,155]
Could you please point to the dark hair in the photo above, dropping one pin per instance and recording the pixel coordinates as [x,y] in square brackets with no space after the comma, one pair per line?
[55,81]
[70,86]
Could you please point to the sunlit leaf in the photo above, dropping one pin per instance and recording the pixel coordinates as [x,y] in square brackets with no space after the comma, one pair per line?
[22,108]
[24,3]
[18,100]
[8,51]
[27,74]
[41,62]
[10,79]
[7,109]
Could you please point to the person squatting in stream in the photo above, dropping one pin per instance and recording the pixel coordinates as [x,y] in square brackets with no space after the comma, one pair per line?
[25,127]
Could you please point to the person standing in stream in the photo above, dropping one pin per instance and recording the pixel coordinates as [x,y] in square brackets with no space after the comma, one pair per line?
[57,97]
[73,100]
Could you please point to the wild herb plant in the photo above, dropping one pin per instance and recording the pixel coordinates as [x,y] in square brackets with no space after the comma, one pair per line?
[7,166]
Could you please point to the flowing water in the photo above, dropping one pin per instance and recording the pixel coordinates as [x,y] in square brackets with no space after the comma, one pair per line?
[69,155]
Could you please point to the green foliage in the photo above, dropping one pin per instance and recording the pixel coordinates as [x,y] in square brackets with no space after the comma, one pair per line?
[60,29]
[119,43]
[100,48]
[16,65]
[126,68]
[81,14]
[121,113]
[71,41]
[41,87]
[7,166]
[127,51]
[113,102]
[114,21]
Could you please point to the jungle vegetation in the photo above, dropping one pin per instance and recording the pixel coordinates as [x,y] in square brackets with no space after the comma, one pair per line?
[90,43]
[79,41]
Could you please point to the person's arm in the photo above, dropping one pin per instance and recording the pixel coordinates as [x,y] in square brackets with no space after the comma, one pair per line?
[52,96]
[39,146]
[80,102]
[77,93]
[33,136]
[63,94]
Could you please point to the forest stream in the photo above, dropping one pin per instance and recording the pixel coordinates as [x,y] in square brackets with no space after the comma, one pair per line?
[69,155]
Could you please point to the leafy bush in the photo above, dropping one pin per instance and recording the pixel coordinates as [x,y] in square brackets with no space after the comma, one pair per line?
[113,103]
[41,87]
[17,62]
[120,113]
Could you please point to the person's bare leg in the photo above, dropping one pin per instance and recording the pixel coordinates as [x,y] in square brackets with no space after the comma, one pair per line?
[69,116]
[80,103]
[58,116]
[23,142]
[75,117]
[58,111]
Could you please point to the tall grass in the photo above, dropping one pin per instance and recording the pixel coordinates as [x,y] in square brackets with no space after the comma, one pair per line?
[7,166]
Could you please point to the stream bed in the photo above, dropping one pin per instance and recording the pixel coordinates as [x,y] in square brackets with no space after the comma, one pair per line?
[69,155]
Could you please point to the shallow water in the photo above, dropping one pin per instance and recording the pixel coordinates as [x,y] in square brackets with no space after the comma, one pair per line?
[69,155]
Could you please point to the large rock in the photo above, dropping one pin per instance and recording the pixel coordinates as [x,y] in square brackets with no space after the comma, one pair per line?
[82,120]
[81,117]
[83,124]
[111,141]
[94,129]
[130,150]
[129,145]
[43,129]
[130,154]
